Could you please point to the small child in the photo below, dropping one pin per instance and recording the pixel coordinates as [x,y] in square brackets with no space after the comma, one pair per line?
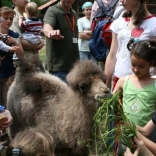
[32,26]
[31,142]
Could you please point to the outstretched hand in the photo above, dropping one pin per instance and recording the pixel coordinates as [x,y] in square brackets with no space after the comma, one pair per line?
[55,34]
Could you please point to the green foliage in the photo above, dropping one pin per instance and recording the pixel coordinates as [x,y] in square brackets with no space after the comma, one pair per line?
[9,2]
[104,137]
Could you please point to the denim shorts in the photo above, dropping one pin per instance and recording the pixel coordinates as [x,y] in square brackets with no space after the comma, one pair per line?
[61,75]
[86,55]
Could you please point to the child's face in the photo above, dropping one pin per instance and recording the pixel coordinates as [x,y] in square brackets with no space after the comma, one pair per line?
[87,12]
[140,67]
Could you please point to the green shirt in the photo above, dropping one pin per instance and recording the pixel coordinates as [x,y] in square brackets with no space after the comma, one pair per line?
[139,104]
[61,54]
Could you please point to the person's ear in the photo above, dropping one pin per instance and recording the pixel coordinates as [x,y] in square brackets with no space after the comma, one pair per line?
[152,63]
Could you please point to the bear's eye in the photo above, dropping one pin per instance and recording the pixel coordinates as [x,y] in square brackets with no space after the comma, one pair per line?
[83,87]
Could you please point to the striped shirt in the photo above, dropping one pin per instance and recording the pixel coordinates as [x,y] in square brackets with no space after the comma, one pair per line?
[32,25]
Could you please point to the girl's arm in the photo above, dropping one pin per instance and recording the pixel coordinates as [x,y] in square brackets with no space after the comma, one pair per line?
[86,35]
[147,129]
[119,85]
[111,59]
[151,146]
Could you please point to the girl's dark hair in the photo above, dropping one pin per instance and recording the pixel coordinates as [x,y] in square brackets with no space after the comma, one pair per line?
[139,16]
[145,49]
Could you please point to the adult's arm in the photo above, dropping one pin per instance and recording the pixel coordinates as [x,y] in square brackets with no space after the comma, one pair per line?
[111,59]
[51,33]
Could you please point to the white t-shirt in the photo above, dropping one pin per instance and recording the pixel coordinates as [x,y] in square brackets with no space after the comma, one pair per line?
[145,31]
[83,24]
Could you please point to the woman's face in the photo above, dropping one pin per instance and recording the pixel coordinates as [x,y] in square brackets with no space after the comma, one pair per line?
[7,20]
[87,12]
[130,4]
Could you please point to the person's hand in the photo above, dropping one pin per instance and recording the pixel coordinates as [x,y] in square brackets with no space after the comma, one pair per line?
[21,17]
[10,40]
[139,142]
[13,49]
[55,34]
[129,153]
[8,122]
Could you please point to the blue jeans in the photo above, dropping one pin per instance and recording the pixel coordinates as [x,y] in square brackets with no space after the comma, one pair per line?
[86,55]
[61,75]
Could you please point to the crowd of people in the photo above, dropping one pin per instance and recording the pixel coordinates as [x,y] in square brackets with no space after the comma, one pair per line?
[129,65]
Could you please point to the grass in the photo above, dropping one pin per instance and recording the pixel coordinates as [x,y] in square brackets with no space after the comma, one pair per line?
[42,52]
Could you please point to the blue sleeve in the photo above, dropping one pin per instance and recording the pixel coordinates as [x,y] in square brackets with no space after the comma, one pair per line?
[13,34]
[154,118]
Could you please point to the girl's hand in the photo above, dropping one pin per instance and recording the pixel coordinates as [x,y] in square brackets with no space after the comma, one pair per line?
[139,142]
[129,153]
[10,40]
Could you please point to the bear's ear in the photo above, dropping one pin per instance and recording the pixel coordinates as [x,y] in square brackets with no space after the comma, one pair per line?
[83,87]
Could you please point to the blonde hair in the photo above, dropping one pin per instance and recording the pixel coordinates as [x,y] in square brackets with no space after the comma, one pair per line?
[6,10]
[32,142]
[32,9]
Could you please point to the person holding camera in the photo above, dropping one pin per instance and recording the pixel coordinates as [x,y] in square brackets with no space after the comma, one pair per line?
[7,68]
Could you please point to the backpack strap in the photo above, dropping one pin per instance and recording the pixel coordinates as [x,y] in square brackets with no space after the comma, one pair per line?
[113,3]
[104,11]
[119,13]
[100,3]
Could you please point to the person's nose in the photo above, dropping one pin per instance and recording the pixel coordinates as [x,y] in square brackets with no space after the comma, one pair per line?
[135,69]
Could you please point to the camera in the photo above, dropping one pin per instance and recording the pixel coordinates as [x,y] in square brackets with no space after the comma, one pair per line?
[4,37]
